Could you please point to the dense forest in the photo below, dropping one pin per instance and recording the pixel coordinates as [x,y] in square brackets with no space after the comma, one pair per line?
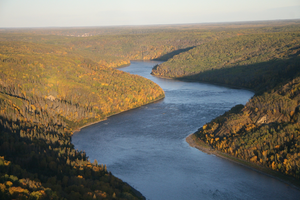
[70,87]
[55,80]
[46,93]
[252,61]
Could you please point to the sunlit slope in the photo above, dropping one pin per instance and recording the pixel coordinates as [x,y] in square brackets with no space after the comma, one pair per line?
[266,131]
[244,60]
[79,89]
[46,92]
[38,160]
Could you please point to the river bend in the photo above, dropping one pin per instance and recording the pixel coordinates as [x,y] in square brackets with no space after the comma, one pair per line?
[146,147]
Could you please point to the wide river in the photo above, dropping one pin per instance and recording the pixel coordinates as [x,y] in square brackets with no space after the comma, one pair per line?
[146,147]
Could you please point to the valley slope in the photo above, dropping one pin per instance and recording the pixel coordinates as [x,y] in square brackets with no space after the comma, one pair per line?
[46,92]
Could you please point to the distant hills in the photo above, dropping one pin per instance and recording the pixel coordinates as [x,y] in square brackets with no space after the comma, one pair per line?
[255,61]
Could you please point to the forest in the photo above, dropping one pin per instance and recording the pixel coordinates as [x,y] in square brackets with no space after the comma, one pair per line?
[56,80]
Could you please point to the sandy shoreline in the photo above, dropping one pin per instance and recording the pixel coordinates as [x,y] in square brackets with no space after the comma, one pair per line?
[202,146]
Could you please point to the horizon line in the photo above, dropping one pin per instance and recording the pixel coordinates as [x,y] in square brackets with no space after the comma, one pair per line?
[144,25]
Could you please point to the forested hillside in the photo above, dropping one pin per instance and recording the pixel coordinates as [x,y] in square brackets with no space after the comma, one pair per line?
[265,131]
[46,92]
[38,160]
[53,81]
[252,61]
[72,88]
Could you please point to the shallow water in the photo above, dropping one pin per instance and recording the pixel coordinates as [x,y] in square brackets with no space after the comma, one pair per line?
[146,147]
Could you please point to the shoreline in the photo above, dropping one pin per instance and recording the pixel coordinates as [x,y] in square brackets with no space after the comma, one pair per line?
[126,65]
[95,122]
[206,82]
[202,146]
[136,192]
[86,125]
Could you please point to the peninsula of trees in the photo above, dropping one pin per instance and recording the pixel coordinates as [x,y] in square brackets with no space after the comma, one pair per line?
[53,81]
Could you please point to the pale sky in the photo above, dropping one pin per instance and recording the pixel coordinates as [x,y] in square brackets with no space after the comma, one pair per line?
[70,13]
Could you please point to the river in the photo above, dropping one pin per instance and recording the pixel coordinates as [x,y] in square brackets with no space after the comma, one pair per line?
[146,147]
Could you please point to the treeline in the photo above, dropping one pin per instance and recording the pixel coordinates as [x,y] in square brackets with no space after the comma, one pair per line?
[269,26]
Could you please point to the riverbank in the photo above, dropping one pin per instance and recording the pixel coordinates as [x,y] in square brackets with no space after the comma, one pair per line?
[207,82]
[195,142]
[95,122]
[136,192]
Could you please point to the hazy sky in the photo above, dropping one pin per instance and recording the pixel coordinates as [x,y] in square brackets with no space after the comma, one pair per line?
[45,13]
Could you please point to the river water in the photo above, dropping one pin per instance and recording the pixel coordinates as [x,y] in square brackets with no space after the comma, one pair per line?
[146,147]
